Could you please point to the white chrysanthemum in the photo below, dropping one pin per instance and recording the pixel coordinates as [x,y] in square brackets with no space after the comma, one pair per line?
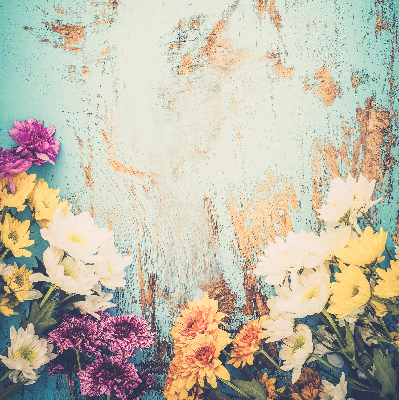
[68,274]
[332,240]
[347,199]
[111,268]
[95,302]
[76,234]
[286,258]
[333,392]
[295,350]
[309,296]
[6,269]
[27,353]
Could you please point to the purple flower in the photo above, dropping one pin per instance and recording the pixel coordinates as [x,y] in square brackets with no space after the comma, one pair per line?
[147,380]
[83,333]
[106,375]
[36,143]
[130,333]
[12,163]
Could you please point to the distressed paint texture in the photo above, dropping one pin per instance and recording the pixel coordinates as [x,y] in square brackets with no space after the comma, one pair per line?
[200,131]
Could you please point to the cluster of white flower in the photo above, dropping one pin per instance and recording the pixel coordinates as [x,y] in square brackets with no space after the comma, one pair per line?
[80,257]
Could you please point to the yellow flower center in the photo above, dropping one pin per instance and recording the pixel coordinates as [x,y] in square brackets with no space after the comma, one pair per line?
[111,272]
[26,353]
[299,343]
[68,271]
[19,280]
[13,235]
[312,292]
[74,237]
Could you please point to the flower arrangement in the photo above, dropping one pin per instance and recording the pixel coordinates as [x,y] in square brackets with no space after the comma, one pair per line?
[68,331]
[332,320]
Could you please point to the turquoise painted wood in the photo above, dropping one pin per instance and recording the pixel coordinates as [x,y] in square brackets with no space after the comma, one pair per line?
[198,131]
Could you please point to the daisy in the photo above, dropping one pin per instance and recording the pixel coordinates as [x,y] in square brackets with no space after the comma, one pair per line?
[77,235]
[333,392]
[68,274]
[23,186]
[347,200]
[27,353]
[388,285]
[332,240]
[295,350]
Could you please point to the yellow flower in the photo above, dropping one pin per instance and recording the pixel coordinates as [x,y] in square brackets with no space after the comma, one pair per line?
[43,202]
[269,385]
[395,336]
[308,384]
[7,304]
[200,317]
[15,236]
[201,360]
[366,250]
[388,285]
[18,283]
[247,342]
[24,184]
[379,308]
[350,291]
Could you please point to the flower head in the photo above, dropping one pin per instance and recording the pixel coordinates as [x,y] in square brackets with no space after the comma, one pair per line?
[334,392]
[366,250]
[388,285]
[36,144]
[269,384]
[11,163]
[66,363]
[7,304]
[23,185]
[295,350]
[109,375]
[77,235]
[308,385]
[129,332]
[350,291]
[15,236]
[43,202]
[147,381]
[27,352]
[246,343]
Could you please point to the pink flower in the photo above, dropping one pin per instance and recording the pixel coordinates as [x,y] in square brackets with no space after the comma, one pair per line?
[11,163]
[36,143]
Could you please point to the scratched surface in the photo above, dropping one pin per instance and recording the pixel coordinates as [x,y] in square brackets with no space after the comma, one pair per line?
[198,131]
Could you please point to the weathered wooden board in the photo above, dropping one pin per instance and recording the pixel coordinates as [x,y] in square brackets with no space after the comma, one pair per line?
[198,131]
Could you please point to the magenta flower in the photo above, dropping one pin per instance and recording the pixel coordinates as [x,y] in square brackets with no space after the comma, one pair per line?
[106,375]
[12,163]
[147,380]
[36,144]
[129,333]
[83,333]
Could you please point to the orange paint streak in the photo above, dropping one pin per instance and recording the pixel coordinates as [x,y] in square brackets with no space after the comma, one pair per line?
[85,70]
[59,10]
[106,51]
[73,34]
[89,179]
[261,7]
[213,221]
[186,65]
[278,69]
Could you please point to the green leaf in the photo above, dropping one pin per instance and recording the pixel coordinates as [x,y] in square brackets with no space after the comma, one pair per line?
[350,342]
[252,388]
[216,394]
[46,323]
[11,390]
[385,374]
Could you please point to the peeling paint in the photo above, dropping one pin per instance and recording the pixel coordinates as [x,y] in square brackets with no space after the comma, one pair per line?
[73,34]
[261,7]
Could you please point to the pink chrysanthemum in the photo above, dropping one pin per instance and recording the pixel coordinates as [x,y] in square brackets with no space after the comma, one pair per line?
[36,144]
[129,333]
[106,375]
[12,163]
[83,333]
[147,380]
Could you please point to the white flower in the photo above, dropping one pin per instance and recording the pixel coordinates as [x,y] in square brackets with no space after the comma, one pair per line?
[68,274]
[95,302]
[27,353]
[284,258]
[295,350]
[333,392]
[77,235]
[397,252]
[308,297]
[332,240]
[111,268]
[347,200]
[6,269]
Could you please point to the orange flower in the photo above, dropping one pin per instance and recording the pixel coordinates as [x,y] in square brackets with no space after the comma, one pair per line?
[270,386]
[200,317]
[201,360]
[308,384]
[247,342]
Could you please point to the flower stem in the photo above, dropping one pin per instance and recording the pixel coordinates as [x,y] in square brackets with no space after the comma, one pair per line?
[234,387]
[67,298]
[327,364]
[334,325]
[69,390]
[45,298]
[6,375]
[4,254]
[78,358]
[108,396]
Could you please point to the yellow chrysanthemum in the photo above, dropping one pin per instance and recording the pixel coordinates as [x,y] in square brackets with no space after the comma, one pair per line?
[15,236]
[18,283]
[388,285]
[7,304]
[350,291]
[200,317]
[247,342]
[379,308]
[24,184]
[201,360]
[270,386]
[366,250]
[43,202]
[395,335]
[308,384]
